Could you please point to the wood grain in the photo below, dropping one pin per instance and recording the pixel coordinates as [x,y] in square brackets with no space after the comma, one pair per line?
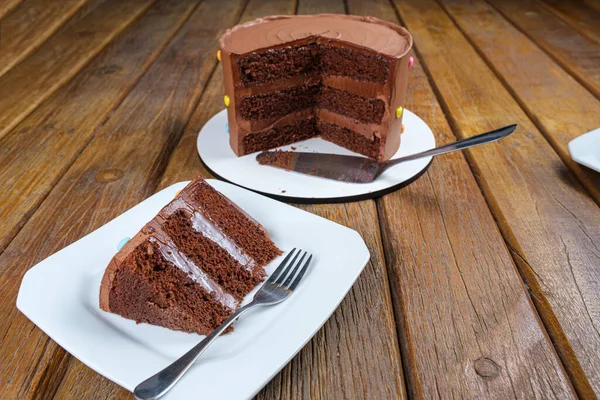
[593,4]
[29,26]
[559,106]
[7,6]
[316,6]
[185,163]
[65,53]
[580,17]
[550,224]
[574,52]
[111,175]
[447,263]
[37,152]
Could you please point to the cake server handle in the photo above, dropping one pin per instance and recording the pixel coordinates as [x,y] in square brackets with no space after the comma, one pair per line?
[483,138]
[160,383]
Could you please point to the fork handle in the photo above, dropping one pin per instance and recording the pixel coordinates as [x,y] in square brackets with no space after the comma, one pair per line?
[160,383]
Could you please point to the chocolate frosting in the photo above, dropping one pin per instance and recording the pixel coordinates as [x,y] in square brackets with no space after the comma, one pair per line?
[367,32]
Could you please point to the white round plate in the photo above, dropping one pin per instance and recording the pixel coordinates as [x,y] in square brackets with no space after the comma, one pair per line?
[219,158]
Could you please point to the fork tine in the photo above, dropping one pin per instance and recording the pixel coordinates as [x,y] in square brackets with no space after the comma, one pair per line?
[300,274]
[277,272]
[288,268]
[291,276]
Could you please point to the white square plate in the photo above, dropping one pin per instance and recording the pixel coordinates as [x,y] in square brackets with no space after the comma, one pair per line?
[60,295]
[586,149]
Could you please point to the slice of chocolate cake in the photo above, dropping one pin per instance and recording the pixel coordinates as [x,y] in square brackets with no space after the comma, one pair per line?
[340,77]
[190,267]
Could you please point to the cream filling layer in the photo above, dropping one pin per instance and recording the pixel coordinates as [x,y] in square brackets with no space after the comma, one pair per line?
[212,232]
[246,128]
[370,90]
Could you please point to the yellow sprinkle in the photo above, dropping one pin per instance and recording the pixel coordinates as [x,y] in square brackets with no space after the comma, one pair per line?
[219,55]
[226,100]
[177,194]
[402,131]
[399,112]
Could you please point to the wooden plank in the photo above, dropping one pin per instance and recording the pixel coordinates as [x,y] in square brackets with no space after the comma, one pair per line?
[558,104]
[593,4]
[65,53]
[348,358]
[37,152]
[579,16]
[573,51]
[119,168]
[550,224]
[7,6]
[29,26]
[447,261]
[316,6]
[185,162]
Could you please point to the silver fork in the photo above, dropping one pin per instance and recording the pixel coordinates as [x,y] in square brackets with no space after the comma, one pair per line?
[276,289]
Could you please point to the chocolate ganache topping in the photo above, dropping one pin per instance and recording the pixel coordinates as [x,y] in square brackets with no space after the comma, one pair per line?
[368,32]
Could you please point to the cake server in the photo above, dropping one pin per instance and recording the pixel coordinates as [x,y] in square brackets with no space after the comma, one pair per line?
[280,285]
[356,169]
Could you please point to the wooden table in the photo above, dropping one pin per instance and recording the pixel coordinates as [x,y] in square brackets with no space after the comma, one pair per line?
[484,279]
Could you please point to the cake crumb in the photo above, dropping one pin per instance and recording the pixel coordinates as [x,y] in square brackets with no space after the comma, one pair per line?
[293,148]
[283,191]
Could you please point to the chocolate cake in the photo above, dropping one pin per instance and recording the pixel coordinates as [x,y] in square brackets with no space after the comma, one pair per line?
[340,77]
[189,268]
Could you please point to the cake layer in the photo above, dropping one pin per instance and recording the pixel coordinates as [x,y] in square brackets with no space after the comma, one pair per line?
[360,66]
[317,58]
[367,111]
[279,136]
[303,129]
[280,103]
[276,64]
[349,139]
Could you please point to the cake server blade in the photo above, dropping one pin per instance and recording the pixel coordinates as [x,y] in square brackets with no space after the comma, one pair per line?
[331,166]
[355,169]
